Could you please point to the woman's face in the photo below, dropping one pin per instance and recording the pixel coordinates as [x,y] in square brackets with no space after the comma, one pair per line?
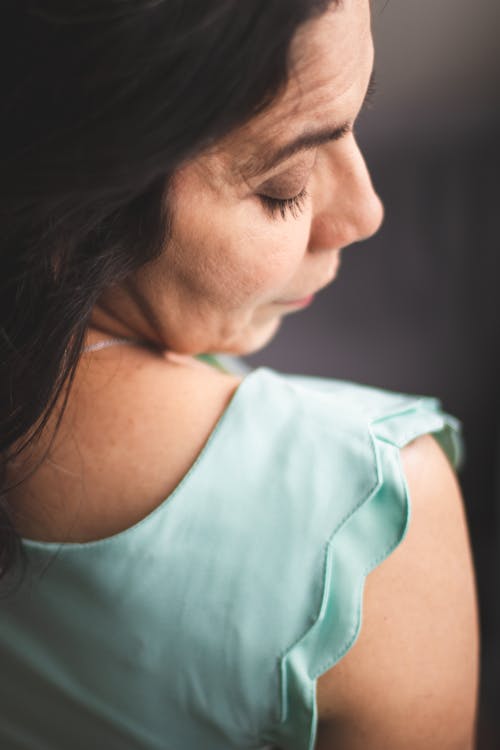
[258,224]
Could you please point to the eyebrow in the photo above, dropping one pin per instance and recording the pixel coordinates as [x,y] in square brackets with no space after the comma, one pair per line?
[255,166]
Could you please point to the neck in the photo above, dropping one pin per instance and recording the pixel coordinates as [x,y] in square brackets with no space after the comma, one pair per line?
[121,313]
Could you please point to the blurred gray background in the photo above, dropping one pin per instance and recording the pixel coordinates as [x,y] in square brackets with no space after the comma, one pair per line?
[416,308]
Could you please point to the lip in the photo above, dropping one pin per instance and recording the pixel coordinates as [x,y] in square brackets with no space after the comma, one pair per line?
[304,302]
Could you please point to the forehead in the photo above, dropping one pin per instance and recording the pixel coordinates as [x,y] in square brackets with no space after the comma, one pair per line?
[330,57]
[331,60]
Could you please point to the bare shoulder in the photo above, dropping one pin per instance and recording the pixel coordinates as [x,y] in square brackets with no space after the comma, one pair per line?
[411,679]
[134,427]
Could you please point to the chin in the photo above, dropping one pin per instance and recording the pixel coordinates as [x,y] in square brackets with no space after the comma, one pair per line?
[255,339]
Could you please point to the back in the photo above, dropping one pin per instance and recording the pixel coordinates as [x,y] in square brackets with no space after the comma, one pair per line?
[208,623]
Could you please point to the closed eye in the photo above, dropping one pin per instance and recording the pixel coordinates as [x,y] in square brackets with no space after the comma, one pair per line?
[285,207]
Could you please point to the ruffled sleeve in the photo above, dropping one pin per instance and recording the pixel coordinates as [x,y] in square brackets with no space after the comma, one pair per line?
[363,537]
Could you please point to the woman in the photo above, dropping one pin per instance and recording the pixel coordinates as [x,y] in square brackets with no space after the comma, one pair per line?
[185,548]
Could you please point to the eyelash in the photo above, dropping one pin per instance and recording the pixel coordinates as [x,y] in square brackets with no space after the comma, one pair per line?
[285,206]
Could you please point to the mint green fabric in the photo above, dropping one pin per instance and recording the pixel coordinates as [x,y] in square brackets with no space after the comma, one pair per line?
[205,625]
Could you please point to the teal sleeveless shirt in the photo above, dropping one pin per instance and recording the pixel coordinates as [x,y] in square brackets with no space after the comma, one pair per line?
[206,625]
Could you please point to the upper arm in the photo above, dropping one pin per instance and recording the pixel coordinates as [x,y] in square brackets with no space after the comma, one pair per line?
[410,681]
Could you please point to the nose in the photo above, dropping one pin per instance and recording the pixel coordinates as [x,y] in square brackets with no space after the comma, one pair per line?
[346,207]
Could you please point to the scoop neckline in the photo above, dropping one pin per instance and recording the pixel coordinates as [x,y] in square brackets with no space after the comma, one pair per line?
[207,448]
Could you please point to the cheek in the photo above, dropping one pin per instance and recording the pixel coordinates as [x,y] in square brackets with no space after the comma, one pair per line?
[266,255]
[238,256]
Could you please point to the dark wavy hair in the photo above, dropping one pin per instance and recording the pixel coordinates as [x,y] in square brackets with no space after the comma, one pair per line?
[101,101]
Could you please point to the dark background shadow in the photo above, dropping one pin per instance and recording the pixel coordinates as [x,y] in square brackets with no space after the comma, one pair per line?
[416,308]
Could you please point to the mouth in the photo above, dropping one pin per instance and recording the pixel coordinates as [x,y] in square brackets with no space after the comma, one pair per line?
[309,299]
[304,302]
